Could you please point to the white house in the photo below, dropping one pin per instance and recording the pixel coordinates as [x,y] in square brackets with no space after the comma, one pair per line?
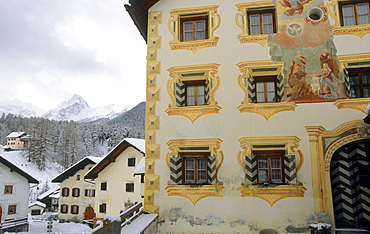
[16,140]
[14,195]
[116,185]
[36,208]
[77,196]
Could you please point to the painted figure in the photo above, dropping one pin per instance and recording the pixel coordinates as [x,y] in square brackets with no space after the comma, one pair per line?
[296,6]
[328,59]
[329,83]
[316,83]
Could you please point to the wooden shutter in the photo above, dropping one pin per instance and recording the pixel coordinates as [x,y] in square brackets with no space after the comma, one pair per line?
[180,94]
[207,91]
[211,167]
[290,169]
[176,170]
[346,82]
[251,90]
[279,88]
[251,169]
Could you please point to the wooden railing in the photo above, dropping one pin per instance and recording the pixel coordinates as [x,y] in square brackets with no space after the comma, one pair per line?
[131,214]
[7,223]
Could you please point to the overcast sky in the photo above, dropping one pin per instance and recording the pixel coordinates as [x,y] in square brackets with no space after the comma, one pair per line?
[52,49]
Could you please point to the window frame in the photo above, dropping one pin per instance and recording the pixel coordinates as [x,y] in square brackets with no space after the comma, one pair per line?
[73,207]
[12,209]
[75,192]
[195,156]
[6,187]
[196,84]
[130,187]
[194,19]
[103,207]
[89,192]
[342,4]
[131,161]
[261,23]
[64,208]
[269,154]
[65,192]
[103,186]
[359,72]
[265,80]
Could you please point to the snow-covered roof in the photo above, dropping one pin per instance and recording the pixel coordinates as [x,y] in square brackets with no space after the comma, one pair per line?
[15,134]
[48,193]
[37,203]
[15,168]
[76,167]
[140,168]
[138,144]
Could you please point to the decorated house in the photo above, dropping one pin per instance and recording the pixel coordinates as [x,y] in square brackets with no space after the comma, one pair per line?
[76,195]
[14,193]
[254,114]
[117,188]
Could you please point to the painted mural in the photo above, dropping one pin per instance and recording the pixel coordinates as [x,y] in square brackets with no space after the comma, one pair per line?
[304,42]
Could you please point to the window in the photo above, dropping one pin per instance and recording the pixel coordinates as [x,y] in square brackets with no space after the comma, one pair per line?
[131,162]
[103,186]
[103,208]
[195,168]
[74,209]
[89,192]
[8,189]
[12,209]
[36,212]
[261,22]
[130,187]
[192,93]
[270,166]
[78,177]
[65,192]
[265,89]
[359,80]
[355,13]
[75,192]
[64,208]
[193,28]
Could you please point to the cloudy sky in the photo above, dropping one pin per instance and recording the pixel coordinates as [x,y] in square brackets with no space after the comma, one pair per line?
[52,49]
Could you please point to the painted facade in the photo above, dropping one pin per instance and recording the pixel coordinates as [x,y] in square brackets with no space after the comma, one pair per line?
[116,186]
[276,130]
[14,193]
[76,195]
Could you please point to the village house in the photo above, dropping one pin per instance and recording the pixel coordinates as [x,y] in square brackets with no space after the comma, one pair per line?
[50,199]
[14,192]
[16,140]
[254,114]
[77,195]
[36,208]
[116,186]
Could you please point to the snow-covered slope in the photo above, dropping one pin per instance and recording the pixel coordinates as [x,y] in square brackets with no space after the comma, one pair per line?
[77,109]
[19,108]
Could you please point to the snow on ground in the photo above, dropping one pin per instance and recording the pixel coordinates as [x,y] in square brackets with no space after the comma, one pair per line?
[40,226]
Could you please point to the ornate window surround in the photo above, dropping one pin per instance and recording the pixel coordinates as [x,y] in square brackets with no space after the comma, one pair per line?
[353,61]
[248,70]
[196,192]
[174,27]
[359,30]
[271,194]
[241,19]
[193,112]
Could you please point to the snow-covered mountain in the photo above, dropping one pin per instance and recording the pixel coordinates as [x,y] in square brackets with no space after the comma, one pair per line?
[17,107]
[78,110]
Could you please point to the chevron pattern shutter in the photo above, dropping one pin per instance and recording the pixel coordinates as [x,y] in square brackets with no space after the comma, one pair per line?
[279,88]
[211,167]
[180,94]
[207,91]
[251,90]
[176,170]
[251,169]
[290,169]
[346,83]
[350,185]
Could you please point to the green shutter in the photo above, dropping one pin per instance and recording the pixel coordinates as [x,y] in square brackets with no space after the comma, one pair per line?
[180,94]
[176,170]
[279,88]
[290,169]
[211,167]
[251,90]
[251,169]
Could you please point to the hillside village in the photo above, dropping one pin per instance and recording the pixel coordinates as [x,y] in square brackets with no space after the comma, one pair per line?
[254,124]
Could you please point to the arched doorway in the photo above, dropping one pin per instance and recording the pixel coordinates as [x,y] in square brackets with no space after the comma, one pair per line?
[89,213]
[350,183]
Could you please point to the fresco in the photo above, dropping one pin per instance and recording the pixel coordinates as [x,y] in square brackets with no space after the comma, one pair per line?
[304,42]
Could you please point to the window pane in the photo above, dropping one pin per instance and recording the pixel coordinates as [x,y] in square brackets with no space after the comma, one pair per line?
[365,78]
[188,36]
[348,15]
[276,174]
[271,97]
[260,87]
[262,162]
[255,24]
[201,25]
[190,90]
[255,29]
[267,23]
[262,174]
[190,164]
[200,35]
[260,97]
[275,162]
[188,26]
[202,163]
[353,79]
[190,101]
[202,175]
[355,92]
[366,91]
[363,13]
[270,86]
[189,175]
[255,19]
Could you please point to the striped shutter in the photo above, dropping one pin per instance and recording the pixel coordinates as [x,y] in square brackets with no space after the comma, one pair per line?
[180,94]
[279,88]
[290,169]
[251,169]
[207,91]
[251,90]
[176,170]
[346,82]
[211,167]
